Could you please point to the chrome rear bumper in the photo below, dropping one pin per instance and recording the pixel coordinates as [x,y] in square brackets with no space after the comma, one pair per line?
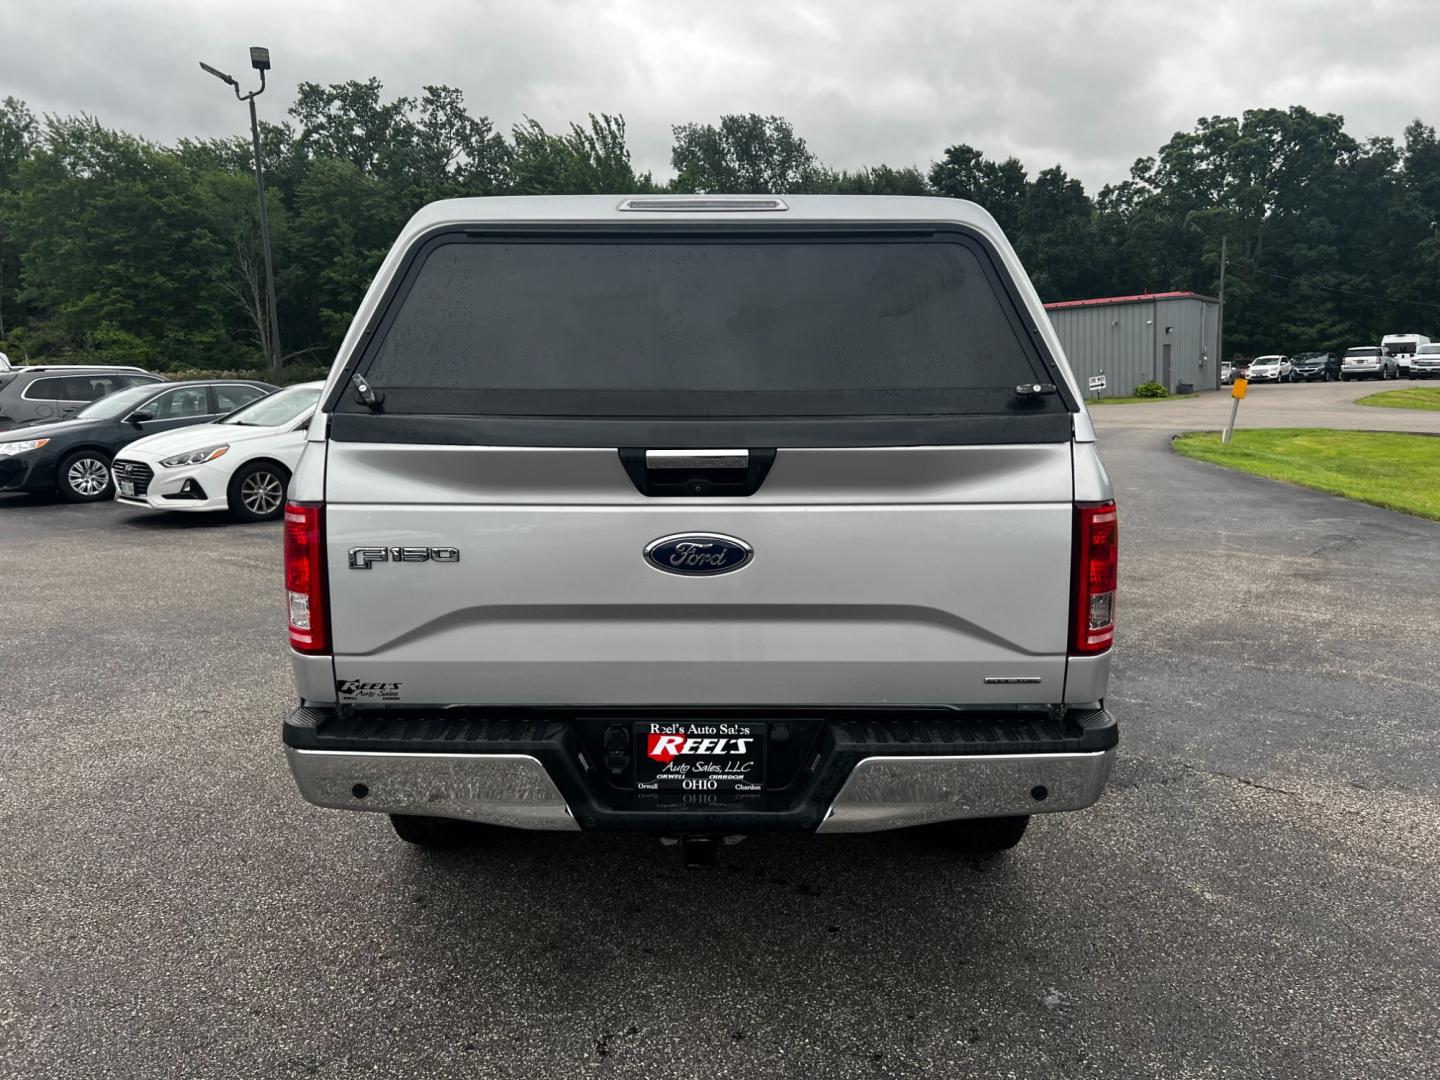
[897,792]
[495,789]
[881,792]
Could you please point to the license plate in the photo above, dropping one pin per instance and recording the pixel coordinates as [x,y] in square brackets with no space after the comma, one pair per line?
[127,488]
[721,756]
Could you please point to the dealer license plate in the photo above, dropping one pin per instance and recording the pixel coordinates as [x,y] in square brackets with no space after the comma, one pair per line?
[723,756]
[127,488]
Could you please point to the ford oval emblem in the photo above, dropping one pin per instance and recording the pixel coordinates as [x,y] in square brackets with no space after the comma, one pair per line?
[698,554]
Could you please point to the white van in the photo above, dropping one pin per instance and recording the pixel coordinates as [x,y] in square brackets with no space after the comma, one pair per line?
[1402,347]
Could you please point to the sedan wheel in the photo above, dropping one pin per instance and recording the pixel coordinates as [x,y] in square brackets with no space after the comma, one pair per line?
[257,492]
[85,477]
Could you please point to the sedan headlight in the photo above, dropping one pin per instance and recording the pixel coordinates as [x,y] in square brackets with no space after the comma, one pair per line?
[10,449]
[195,457]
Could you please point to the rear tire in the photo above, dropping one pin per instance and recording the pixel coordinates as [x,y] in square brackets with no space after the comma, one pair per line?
[438,832]
[981,836]
[84,476]
[257,492]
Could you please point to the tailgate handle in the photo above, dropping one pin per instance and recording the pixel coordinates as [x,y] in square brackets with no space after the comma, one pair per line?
[696,474]
[697,459]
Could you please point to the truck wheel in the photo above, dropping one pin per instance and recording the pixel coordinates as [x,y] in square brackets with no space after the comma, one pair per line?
[982,836]
[437,832]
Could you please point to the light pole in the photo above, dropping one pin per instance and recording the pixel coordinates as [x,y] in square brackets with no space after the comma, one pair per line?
[260,61]
[1220,314]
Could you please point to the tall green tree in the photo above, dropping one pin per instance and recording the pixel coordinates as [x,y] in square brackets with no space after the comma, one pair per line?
[748,154]
[18,132]
[1001,187]
[117,247]
[589,160]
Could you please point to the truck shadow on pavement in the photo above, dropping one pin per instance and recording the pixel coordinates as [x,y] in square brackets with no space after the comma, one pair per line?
[884,937]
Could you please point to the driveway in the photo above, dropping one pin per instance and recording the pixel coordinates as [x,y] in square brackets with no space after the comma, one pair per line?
[1327,405]
[1256,896]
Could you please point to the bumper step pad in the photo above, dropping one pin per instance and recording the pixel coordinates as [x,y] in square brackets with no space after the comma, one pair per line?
[854,769]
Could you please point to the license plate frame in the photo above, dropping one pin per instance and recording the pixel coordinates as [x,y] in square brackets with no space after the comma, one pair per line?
[718,757]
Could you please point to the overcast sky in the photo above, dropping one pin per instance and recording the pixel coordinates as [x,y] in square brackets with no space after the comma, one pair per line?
[1088,84]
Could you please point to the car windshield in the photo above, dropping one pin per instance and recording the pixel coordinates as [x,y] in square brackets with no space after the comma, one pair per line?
[1266,360]
[1364,353]
[1430,350]
[113,406]
[278,408]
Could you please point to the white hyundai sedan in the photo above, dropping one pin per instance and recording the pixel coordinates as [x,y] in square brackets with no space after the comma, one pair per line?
[240,463]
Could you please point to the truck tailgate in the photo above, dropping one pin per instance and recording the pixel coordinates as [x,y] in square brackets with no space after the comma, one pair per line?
[880,575]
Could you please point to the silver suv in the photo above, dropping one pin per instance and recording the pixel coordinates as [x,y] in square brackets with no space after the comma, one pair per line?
[37,395]
[701,517]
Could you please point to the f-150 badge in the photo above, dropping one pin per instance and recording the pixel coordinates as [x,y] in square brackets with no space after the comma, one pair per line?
[362,558]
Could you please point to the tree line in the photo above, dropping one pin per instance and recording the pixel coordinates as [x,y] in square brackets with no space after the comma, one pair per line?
[117,249]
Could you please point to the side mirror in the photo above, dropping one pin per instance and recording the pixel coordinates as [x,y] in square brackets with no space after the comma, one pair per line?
[141,417]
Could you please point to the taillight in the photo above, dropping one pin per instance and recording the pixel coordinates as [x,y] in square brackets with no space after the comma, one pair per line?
[1095,573]
[305,577]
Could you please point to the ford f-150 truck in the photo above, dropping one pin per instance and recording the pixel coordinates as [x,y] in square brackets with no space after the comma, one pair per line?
[702,517]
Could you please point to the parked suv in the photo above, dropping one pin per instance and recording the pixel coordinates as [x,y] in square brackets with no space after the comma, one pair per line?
[701,517]
[37,394]
[1367,362]
[1276,369]
[1315,367]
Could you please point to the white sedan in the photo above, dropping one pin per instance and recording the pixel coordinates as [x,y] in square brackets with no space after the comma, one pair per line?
[240,463]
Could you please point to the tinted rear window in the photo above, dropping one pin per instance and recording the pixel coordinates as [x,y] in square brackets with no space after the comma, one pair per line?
[702,328]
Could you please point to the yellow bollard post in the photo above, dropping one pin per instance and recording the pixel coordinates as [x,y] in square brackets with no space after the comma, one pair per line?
[1237,392]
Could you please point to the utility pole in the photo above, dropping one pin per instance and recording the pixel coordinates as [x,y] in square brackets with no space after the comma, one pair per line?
[1220,317]
[260,61]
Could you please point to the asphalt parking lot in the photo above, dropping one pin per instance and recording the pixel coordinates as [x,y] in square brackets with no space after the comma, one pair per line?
[1257,895]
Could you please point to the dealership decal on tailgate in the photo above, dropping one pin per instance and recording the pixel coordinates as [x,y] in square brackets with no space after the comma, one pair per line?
[718,755]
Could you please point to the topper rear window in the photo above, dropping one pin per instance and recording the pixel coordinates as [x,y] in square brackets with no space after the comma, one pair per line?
[611,326]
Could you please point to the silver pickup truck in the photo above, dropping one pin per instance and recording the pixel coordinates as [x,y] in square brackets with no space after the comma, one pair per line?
[701,517]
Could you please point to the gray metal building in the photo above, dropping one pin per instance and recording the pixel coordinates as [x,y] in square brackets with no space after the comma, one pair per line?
[1169,337]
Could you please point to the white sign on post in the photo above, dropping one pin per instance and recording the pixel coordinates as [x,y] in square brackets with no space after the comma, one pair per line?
[1097,382]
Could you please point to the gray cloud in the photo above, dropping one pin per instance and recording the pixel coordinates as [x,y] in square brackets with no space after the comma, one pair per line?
[1090,85]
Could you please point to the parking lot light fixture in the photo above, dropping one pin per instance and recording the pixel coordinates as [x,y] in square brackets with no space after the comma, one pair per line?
[260,61]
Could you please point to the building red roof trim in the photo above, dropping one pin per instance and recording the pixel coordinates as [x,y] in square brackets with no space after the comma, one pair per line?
[1128,299]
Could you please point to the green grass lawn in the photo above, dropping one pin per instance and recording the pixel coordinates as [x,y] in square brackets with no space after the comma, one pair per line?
[1136,400]
[1415,397]
[1396,471]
